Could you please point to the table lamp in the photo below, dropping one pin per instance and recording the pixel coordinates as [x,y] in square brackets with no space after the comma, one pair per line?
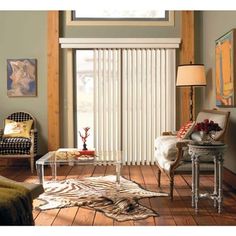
[190,75]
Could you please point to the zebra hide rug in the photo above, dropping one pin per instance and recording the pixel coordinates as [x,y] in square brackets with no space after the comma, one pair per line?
[99,193]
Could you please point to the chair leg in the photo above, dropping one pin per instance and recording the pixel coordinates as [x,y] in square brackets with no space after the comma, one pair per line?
[159,178]
[32,164]
[171,187]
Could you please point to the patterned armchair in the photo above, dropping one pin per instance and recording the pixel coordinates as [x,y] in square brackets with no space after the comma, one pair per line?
[19,147]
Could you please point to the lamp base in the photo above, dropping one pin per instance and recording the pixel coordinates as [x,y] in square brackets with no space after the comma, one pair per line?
[191,104]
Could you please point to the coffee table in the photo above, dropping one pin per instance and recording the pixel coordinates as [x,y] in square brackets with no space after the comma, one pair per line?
[51,160]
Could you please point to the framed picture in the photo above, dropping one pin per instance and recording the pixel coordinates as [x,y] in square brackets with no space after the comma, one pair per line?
[225,52]
[21,77]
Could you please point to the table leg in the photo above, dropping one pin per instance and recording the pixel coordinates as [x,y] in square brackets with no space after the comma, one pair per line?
[118,174]
[216,180]
[193,180]
[54,168]
[220,190]
[40,173]
[196,183]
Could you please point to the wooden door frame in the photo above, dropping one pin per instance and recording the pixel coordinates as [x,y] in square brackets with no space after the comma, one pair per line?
[53,81]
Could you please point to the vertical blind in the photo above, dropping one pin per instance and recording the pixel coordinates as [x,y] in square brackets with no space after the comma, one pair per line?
[107,103]
[134,101]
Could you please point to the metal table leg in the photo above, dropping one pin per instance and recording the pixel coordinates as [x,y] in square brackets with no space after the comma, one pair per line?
[220,190]
[196,183]
[216,180]
[193,180]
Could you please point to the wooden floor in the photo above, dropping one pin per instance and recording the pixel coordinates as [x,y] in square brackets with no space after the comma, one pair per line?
[178,212]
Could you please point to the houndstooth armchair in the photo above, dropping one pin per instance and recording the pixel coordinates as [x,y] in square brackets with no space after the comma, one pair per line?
[20,147]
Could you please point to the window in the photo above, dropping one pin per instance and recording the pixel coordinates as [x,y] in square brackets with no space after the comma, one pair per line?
[119,13]
[84,95]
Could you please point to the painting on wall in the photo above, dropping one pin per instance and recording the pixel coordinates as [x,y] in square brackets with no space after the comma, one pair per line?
[21,77]
[225,70]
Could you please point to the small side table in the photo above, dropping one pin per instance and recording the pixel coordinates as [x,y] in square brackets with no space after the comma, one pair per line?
[216,151]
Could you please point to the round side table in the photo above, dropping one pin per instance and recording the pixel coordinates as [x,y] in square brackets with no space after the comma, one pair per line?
[216,151]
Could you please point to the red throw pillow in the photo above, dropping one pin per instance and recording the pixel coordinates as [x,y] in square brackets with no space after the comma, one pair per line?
[186,130]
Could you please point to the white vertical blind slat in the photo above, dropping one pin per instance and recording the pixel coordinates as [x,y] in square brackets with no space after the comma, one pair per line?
[114,88]
[129,111]
[163,90]
[118,102]
[153,104]
[100,102]
[144,107]
[124,106]
[95,59]
[148,104]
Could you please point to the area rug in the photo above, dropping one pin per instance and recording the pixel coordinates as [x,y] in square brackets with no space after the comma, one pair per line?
[100,193]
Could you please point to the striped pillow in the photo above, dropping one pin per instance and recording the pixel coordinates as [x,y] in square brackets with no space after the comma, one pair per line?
[186,130]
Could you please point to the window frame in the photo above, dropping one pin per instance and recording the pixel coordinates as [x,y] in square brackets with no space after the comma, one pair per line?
[120,22]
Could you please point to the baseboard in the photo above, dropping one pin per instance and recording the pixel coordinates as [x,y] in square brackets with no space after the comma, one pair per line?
[229,178]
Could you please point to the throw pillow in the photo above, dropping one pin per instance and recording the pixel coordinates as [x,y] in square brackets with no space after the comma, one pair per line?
[186,130]
[17,129]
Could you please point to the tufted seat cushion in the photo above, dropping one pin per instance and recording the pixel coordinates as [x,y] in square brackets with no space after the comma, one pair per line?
[165,151]
[15,146]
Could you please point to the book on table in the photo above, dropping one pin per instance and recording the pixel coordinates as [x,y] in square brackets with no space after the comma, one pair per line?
[73,153]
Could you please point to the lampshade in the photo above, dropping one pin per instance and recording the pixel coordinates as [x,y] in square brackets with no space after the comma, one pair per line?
[191,75]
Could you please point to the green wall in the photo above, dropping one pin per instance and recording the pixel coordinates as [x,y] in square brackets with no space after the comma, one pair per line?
[24,35]
[212,25]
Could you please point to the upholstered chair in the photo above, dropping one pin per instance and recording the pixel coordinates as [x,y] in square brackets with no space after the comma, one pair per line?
[171,152]
[19,147]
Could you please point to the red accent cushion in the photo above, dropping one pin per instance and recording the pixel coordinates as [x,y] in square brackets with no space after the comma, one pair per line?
[186,130]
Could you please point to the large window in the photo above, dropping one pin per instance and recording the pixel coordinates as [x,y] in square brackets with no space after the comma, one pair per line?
[120,12]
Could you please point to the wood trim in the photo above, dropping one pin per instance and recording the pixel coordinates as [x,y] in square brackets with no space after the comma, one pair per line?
[229,177]
[70,95]
[187,55]
[53,81]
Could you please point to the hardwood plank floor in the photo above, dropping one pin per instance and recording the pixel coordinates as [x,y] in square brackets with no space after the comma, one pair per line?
[176,212]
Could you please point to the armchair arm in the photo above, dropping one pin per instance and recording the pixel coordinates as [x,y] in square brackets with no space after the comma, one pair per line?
[180,147]
[34,141]
[33,132]
[169,133]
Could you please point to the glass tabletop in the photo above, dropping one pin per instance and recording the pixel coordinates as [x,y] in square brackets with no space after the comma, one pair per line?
[75,156]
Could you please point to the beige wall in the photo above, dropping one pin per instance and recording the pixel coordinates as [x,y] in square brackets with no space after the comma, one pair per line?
[212,25]
[24,35]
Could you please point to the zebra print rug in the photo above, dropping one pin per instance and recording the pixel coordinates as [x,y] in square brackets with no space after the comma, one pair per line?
[99,193]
